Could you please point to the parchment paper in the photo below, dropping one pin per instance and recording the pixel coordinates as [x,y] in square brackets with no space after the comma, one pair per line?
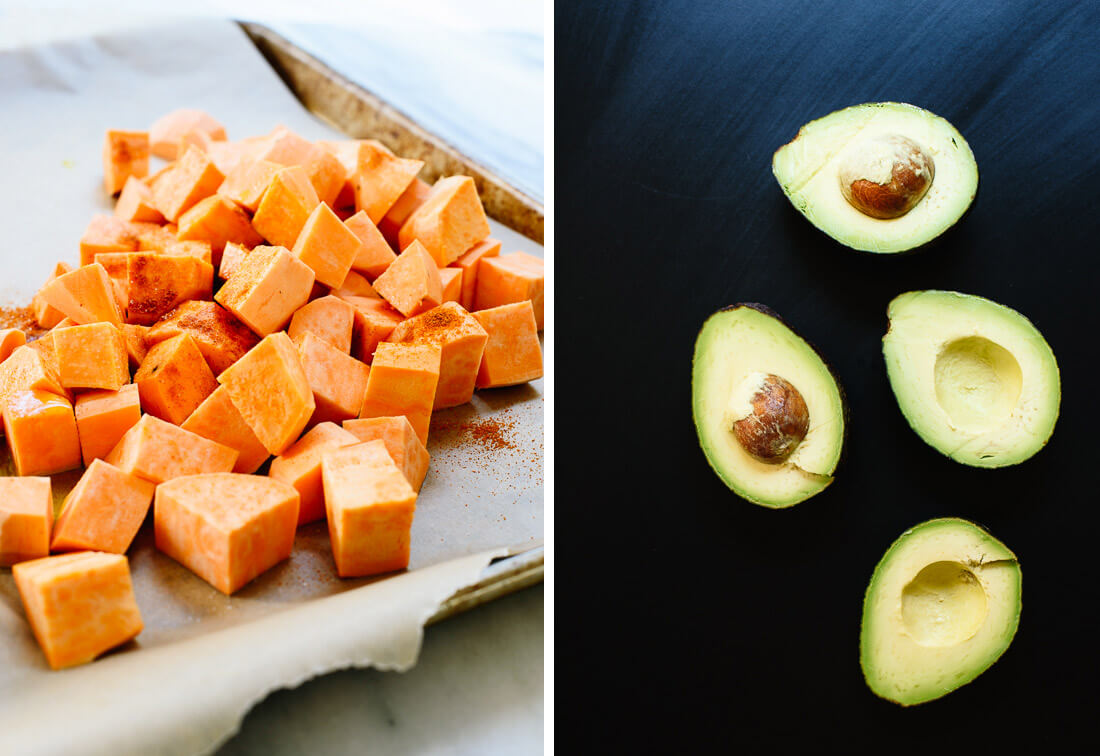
[204,658]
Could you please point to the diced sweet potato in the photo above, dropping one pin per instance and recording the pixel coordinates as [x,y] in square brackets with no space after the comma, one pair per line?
[469,262]
[374,322]
[374,254]
[232,257]
[217,220]
[41,432]
[103,512]
[12,338]
[135,203]
[337,380]
[26,517]
[449,222]
[462,341]
[27,369]
[174,379]
[133,336]
[380,178]
[401,441]
[247,183]
[166,131]
[227,528]
[193,177]
[411,284]
[105,233]
[512,353]
[85,295]
[217,419]
[125,154]
[199,249]
[356,285]
[45,315]
[328,318]
[220,337]
[91,356]
[270,390]
[451,281]
[267,288]
[158,451]
[402,381]
[79,605]
[509,279]
[325,173]
[44,347]
[300,466]
[287,203]
[102,419]
[282,146]
[370,507]
[412,198]
[157,284]
[326,245]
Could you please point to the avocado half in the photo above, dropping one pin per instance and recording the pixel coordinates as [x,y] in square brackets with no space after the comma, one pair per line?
[975,379]
[943,605]
[810,170]
[749,339]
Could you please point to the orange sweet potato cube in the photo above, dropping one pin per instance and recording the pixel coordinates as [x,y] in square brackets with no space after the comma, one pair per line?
[45,315]
[451,280]
[374,322]
[328,318]
[267,288]
[411,284]
[133,336]
[41,432]
[462,341]
[356,285]
[232,257]
[158,451]
[157,284]
[174,379]
[217,419]
[192,177]
[512,353]
[279,413]
[326,245]
[287,203]
[12,338]
[282,146]
[103,512]
[199,249]
[337,380]
[227,528]
[79,605]
[380,178]
[106,233]
[102,419]
[300,466]
[412,198]
[220,337]
[469,262]
[28,368]
[91,356]
[326,173]
[374,254]
[401,441]
[135,203]
[125,154]
[247,183]
[26,517]
[449,222]
[86,295]
[402,381]
[369,505]
[166,131]
[217,221]
[52,377]
[509,279]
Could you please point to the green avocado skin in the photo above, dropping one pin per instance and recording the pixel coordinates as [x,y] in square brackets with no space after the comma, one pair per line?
[966,676]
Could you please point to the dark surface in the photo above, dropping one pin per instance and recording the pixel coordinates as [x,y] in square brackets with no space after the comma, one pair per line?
[686,616]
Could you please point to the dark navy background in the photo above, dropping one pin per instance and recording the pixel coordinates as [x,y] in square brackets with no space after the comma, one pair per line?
[687,617]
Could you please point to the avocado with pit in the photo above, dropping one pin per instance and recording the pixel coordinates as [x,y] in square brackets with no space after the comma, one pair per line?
[943,604]
[975,379]
[882,177]
[769,413]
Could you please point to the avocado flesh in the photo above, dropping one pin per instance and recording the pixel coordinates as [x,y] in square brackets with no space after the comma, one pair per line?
[943,604]
[975,379]
[806,168]
[734,343]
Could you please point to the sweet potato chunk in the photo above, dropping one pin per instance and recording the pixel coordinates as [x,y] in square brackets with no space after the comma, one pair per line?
[158,451]
[41,432]
[174,379]
[106,233]
[401,441]
[157,284]
[12,338]
[336,379]
[218,419]
[227,528]
[192,178]
[509,279]
[451,281]
[327,246]
[232,257]
[287,203]
[26,517]
[247,183]
[270,390]
[380,178]
[374,254]
[402,381]
[135,203]
[28,369]
[374,322]
[102,419]
[85,295]
[328,318]
[449,222]
[267,288]
[300,466]
[103,512]
[44,314]
[91,356]
[220,337]
[217,221]
[79,605]
[133,336]
[412,198]
[411,284]
[125,154]
[512,353]
[356,285]
[462,340]
[166,131]
[469,262]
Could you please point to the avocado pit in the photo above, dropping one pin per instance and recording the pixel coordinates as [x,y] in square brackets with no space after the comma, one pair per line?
[885,176]
[769,417]
[944,605]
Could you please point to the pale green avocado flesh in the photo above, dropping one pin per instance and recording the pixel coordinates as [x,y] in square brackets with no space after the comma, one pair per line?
[733,344]
[975,379]
[943,605]
[807,168]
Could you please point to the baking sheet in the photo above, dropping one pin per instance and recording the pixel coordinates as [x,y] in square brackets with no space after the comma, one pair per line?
[203,657]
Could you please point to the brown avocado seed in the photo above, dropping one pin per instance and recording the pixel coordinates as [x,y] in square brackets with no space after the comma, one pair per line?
[886,176]
[769,417]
